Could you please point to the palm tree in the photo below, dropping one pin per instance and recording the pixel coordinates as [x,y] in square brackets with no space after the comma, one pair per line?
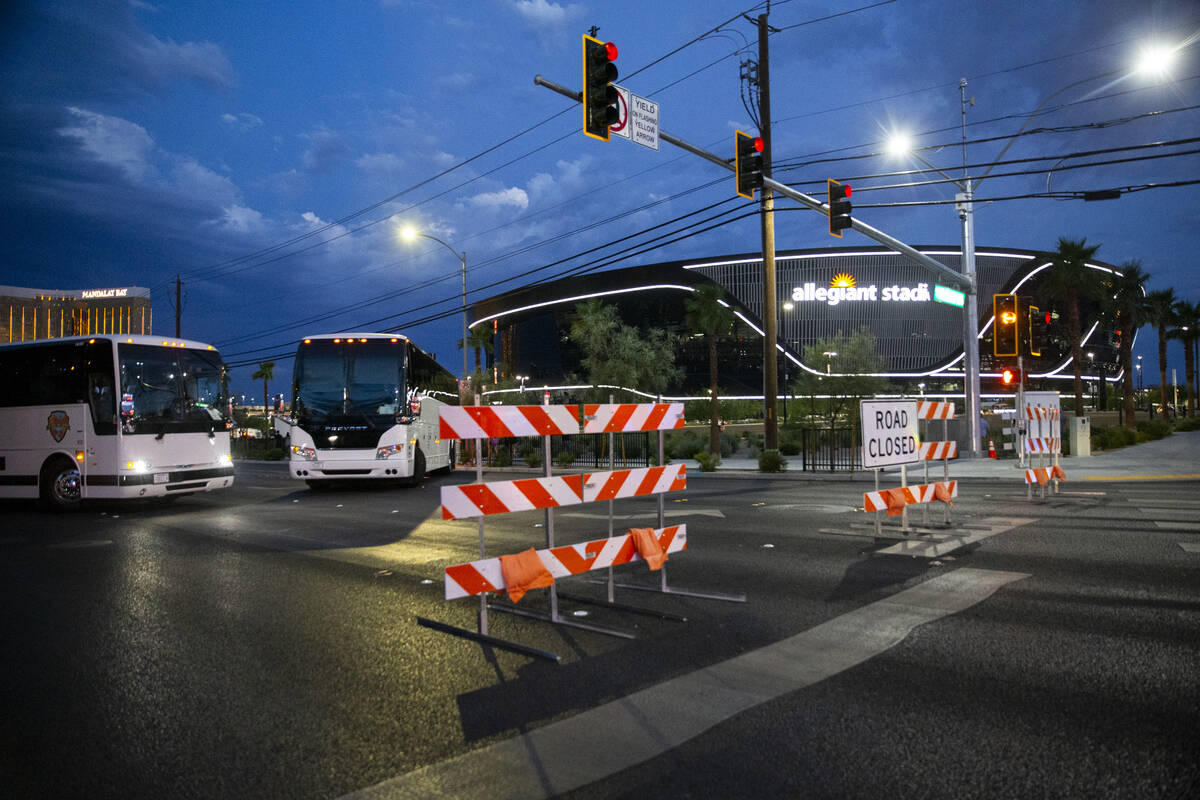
[1160,309]
[1128,311]
[1069,280]
[266,371]
[1187,330]
[478,338]
[709,316]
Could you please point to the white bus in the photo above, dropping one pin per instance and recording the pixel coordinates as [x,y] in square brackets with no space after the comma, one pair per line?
[111,417]
[365,407]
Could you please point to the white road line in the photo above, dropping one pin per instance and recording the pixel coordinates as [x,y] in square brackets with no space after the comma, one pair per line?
[671,512]
[1191,547]
[595,744]
[1178,526]
[925,548]
[1160,512]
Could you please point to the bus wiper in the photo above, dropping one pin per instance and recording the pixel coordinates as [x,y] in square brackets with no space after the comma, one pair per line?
[162,431]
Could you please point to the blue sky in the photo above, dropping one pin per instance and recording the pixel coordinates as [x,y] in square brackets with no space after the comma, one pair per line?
[266,152]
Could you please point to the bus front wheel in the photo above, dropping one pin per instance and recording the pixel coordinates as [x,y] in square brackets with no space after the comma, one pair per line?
[60,485]
[418,474]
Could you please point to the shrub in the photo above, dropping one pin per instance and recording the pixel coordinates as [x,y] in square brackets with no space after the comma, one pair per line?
[565,458]
[1189,424]
[501,456]
[771,461]
[708,461]
[532,456]
[1154,429]
[681,444]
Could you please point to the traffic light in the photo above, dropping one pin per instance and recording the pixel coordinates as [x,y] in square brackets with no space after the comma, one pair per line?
[839,207]
[1037,330]
[1004,325]
[600,97]
[1008,376]
[749,163]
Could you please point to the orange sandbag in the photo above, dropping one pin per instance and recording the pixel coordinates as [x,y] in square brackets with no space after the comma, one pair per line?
[522,572]
[648,547]
[896,501]
[1057,472]
[941,491]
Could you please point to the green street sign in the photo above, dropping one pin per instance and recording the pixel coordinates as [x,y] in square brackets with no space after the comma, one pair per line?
[951,297]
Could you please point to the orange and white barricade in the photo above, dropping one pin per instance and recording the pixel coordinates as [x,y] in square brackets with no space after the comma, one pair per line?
[943,450]
[518,572]
[1041,441]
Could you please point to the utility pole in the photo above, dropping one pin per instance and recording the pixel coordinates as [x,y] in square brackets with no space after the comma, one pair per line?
[178,305]
[966,215]
[767,196]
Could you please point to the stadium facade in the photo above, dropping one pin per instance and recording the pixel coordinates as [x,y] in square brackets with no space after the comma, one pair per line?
[822,293]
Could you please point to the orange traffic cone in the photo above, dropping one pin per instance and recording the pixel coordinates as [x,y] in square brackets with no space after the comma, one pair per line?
[991,449]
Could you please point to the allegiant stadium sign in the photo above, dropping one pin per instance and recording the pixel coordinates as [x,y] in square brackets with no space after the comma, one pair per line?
[843,290]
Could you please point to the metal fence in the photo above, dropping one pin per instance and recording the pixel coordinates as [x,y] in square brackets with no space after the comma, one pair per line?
[582,450]
[829,449]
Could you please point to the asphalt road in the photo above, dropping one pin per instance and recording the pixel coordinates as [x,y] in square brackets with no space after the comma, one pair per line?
[263,643]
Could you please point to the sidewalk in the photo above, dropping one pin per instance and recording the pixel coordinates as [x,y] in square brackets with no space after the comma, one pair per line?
[1175,457]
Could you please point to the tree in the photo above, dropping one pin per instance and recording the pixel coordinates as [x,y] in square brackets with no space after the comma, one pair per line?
[710,317]
[1187,330]
[266,372]
[849,375]
[1069,280]
[1128,311]
[478,338]
[1160,313]
[615,354]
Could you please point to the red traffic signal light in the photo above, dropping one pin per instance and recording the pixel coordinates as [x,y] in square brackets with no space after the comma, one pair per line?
[748,163]
[600,97]
[839,207]
[1008,376]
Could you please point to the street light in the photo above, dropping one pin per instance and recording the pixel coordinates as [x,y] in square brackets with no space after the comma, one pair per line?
[1092,367]
[1155,60]
[829,356]
[1139,369]
[410,234]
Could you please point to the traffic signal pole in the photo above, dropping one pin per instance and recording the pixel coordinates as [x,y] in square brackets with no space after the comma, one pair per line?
[767,217]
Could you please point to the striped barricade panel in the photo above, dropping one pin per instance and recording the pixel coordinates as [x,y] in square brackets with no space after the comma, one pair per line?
[1043,445]
[937,451]
[630,417]
[913,495]
[633,482]
[1038,412]
[500,497]
[932,409]
[477,577]
[485,422]
[1044,475]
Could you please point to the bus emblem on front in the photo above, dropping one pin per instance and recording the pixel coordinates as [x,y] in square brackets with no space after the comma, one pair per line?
[58,423]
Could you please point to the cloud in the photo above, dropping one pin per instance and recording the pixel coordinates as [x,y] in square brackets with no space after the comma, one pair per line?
[514,197]
[112,141]
[541,13]
[242,219]
[242,121]
[204,62]
[326,149]
[380,164]
[455,81]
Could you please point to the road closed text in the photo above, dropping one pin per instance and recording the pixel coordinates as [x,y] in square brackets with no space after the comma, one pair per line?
[890,433]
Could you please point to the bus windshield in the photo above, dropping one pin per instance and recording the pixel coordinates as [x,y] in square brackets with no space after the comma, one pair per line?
[338,381]
[170,390]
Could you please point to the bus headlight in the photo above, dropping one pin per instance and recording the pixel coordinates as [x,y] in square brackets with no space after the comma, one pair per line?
[389,451]
[138,466]
[225,460]
[307,453]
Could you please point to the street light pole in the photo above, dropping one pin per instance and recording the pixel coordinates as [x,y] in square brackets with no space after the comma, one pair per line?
[412,233]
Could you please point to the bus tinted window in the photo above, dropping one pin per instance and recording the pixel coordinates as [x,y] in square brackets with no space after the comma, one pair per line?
[42,375]
[169,390]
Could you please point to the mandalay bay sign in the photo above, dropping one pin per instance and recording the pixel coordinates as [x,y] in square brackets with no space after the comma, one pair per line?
[842,289]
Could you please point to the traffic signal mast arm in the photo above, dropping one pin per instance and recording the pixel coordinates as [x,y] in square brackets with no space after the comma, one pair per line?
[947,274]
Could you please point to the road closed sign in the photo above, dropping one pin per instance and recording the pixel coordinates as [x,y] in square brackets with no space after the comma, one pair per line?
[889,433]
